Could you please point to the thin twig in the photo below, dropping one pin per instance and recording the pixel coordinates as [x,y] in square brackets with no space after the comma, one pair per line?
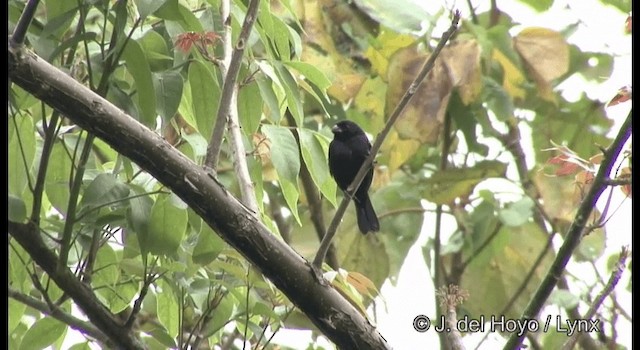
[20,31]
[574,233]
[331,231]
[74,193]
[50,134]
[247,190]
[81,326]
[229,84]
[621,181]
[438,267]
[608,288]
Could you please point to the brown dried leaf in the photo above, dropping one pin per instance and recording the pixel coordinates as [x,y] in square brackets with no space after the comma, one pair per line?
[423,117]
[546,56]
[462,59]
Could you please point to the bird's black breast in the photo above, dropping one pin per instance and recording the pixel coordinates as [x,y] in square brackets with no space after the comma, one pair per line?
[341,163]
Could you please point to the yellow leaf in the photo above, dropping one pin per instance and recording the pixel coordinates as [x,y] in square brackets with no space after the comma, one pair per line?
[399,150]
[513,77]
[362,284]
[385,45]
[369,100]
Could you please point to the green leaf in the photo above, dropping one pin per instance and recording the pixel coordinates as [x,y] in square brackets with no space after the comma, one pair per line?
[114,292]
[205,94]
[564,298]
[17,209]
[579,125]
[197,142]
[250,108]
[401,228]
[622,5]
[72,42]
[168,308]
[104,189]
[147,7]
[517,213]
[594,66]
[139,211]
[17,272]
[166,228]
[208,247]
[80,346]
[280,38]
[22,149]
[168,86]
[16,310]
[186,107]
[292,92]
[155,47]
[498,100]
[314,147]
[269,97]
[255,172]
[57,179]
[311,73]
[106,268]
[286,159]
[221,317]
[538,5]
[467,123]
[138,67]
[591,246]
[172,10]
[60,14]
[445,186]
[407,17]
[42,333]
[498,269]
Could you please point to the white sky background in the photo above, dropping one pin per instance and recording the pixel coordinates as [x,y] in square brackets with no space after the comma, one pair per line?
[601,30]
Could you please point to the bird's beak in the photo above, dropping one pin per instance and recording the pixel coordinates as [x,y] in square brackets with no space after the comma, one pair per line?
[336,129]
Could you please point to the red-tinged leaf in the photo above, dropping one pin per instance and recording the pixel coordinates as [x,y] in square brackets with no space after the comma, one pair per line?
[567,168]
[565,165]
[627,25]
[558,159]
[623,95]
[209,38]
[186,40]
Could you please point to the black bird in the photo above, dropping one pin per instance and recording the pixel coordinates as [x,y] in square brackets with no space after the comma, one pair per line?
[348,150]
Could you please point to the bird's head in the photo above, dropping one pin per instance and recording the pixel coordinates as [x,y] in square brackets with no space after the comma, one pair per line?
[346,129]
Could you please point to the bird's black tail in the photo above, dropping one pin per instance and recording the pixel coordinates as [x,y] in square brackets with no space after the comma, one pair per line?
[367,219]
